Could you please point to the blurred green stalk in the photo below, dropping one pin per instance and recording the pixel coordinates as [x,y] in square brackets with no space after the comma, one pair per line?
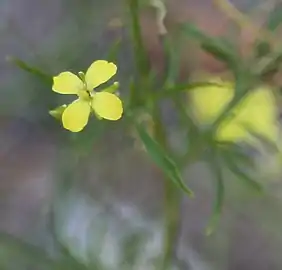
[139,50]
[172,194]
[172,200]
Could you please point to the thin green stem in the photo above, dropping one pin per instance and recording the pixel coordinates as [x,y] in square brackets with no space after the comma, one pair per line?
[242,88]
[172,199]
[171,91]
[139,50]
[138,90]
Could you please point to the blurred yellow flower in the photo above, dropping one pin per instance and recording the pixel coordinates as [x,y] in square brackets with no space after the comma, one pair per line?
[105,105]
[256,112]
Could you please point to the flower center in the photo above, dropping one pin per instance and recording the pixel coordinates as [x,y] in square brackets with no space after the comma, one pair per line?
[84,94]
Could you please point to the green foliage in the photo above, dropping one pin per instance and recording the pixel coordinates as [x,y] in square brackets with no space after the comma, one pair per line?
[216,168]
[32,70]
[162,159]
[221,48]
[241,165]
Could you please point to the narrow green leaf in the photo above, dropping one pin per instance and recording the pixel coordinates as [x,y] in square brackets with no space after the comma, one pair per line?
[238,152]
[30,69]
[219,197]
[162,159]
[244,84]
[239,162]
[172,90]
[233,165]
[172,53]
[221,48]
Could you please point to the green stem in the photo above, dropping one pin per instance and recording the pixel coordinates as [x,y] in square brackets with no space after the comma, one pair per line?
[139,50]
[172,200]
[172,223]
[142,64]
[173,196]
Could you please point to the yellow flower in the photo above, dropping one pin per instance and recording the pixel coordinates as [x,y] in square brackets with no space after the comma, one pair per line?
[256,112]
[104,104]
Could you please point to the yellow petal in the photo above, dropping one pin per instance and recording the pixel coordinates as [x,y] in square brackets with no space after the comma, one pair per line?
[259,112]
[107,106]
[232,132]
[99,72]
[75,116]
[67,83]
[209,101]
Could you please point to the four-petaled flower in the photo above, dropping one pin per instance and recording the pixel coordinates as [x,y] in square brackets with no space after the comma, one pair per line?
[257,112]
[105,105]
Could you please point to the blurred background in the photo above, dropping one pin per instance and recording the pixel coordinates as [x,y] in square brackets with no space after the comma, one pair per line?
[111,205]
